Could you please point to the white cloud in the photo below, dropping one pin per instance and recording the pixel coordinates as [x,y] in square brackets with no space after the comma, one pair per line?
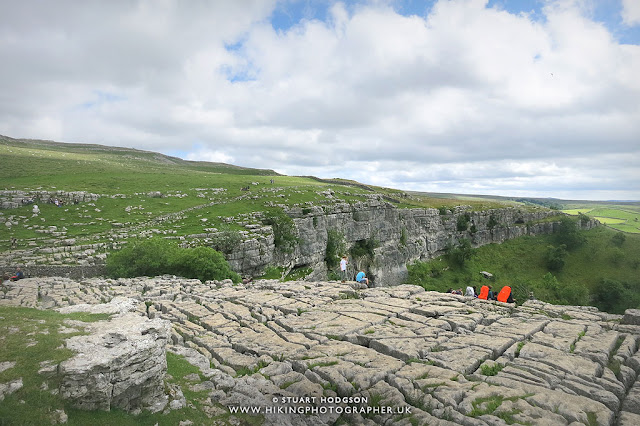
[467,98]
[212,156]
[631,12]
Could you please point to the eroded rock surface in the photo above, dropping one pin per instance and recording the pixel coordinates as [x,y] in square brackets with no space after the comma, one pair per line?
[400,355]
[121,364]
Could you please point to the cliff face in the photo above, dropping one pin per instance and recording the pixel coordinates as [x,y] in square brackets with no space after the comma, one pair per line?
[404,235]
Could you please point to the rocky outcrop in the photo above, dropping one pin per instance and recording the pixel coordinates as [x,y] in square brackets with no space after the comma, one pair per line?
[121,363]
[404,235]
[325,352]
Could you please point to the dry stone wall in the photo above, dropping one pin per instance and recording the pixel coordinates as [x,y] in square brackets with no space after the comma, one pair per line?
[325,352]
[12,199]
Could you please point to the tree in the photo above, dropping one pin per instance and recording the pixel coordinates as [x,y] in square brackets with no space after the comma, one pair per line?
[618,239]
[608,294]
[336,247]
[203,263]
[284,230]
[567,233]
[556,257]
[461,253]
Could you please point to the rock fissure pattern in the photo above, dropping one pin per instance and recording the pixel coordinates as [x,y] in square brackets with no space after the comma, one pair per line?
[419,357]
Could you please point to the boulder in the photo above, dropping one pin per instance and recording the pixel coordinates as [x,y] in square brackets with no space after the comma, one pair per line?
[120,364]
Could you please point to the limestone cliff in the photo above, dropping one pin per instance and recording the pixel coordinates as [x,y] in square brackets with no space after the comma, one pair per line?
[404,235]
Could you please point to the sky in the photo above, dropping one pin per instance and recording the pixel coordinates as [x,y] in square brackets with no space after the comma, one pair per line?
[530,98]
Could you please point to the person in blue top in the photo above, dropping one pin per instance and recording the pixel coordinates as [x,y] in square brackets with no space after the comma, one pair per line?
[361,278]
[18,276]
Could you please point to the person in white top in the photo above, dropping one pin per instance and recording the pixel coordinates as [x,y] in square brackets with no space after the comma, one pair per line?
[343,268]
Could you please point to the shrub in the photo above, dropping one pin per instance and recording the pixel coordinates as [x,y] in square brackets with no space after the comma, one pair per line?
[618,239]
[142,258]
[419,273]
[203,263]
[555,257]
[157,257]
[461,253]
[365,248]
[567,233]
[225,241]
[336,247]
[284,230]
[462,222]
[608,294]
[403,237]
[492,222]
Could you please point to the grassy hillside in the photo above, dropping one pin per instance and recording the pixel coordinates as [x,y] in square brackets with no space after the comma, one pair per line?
[586,277]
[197,196]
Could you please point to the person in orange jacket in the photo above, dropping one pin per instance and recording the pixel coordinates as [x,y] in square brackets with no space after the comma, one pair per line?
[505,295]
[484,292]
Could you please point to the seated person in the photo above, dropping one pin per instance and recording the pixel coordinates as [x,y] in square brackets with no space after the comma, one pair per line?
[18,276]
[484,292]
[505,295]
[361,278]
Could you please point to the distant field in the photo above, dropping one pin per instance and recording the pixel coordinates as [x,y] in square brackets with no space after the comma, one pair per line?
[576,212]
[625,220]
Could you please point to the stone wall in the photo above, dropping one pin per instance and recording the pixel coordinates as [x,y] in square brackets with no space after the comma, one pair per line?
[16,198]
[74,272]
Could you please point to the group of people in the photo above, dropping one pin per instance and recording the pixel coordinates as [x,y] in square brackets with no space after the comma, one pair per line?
[17,276]
[361,277]
[486,293]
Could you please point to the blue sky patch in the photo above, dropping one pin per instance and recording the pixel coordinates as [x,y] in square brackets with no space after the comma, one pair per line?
[100,98]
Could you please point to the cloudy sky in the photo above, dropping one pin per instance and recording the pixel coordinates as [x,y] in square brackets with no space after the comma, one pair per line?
[519,98]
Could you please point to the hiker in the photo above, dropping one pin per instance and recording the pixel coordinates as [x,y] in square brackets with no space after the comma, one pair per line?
[36,209]
[18,276]
[343,268]
[470,292]
[505,295]
[492,294]
[361,278]
[484,292]
[458,292]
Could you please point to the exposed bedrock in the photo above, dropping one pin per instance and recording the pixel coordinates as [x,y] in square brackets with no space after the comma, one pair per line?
[432,358]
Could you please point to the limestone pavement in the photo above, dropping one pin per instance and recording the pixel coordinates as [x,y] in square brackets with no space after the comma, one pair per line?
[316,352]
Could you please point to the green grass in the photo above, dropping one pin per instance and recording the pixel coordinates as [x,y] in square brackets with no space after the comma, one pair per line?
[491,370]
[33,405]
[521,263]
[123,178]
[625,219]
